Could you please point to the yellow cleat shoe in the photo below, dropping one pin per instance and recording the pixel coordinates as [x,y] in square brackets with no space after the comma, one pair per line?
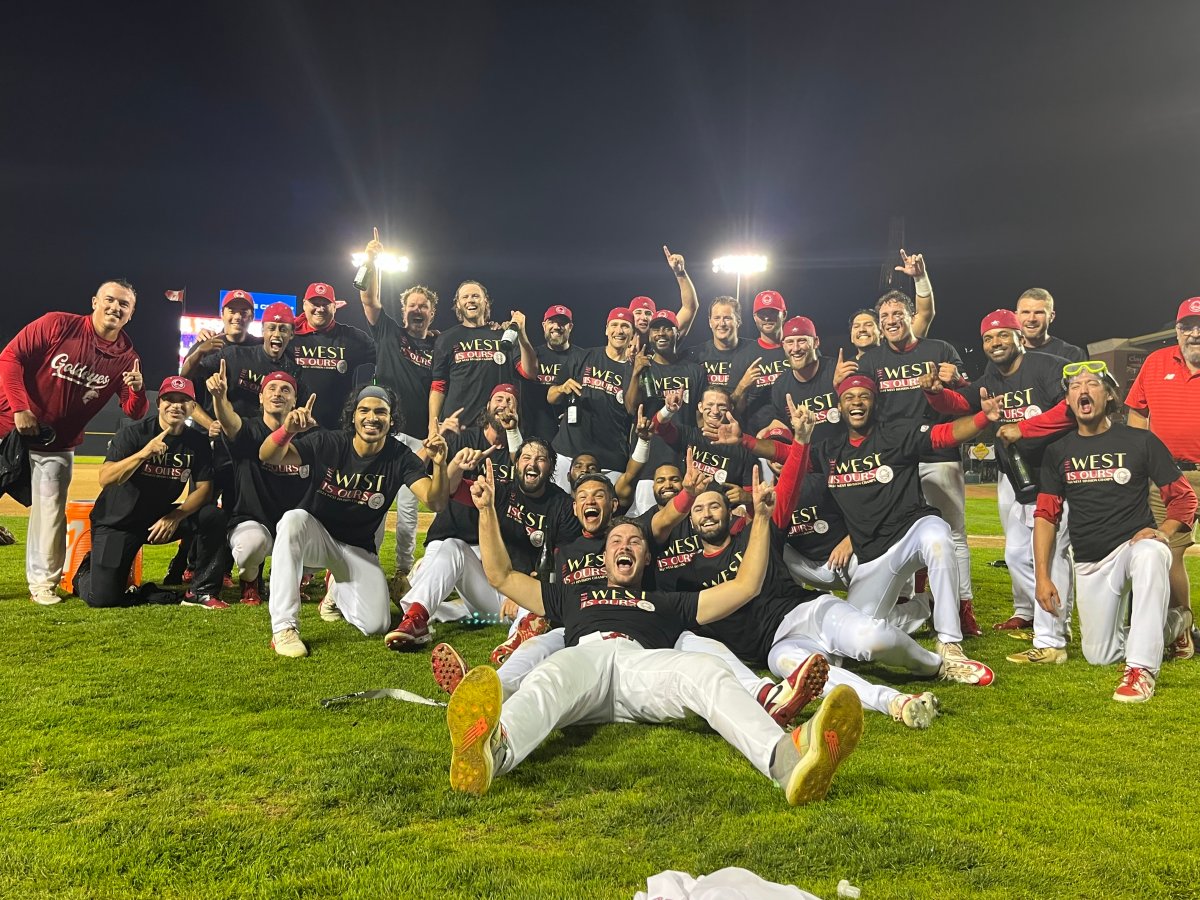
[1054,656]
[824,741]
[473,718]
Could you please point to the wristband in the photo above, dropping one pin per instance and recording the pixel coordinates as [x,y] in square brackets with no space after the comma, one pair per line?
[682,502]
[514,439]
[641,451]
[281,436]
[981,420]
[750,442]
[923,286]
[664,415]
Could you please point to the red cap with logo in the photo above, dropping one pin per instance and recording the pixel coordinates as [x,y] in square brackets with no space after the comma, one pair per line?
[770,300]
[279,312]
[503,388]
[622,313]
[800,326]
[642,303]
[236,296]
[1188,309]
[318,290]
[177,384]
[558,310]
[665,315]
[278,376]
[999,318]
[857,381]
[779,433]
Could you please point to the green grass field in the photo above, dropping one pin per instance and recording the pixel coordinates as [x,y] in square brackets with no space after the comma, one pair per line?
[167,752]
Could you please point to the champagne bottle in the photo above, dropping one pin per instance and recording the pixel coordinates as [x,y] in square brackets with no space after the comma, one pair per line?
[362,278]
[508,341]
[1017,467]
[545,564]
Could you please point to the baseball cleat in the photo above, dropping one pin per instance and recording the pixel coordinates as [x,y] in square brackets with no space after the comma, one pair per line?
[45,597]
[328,611]
[252,592]
[399,586]
[449,668]
[914,710]
[1183,646]
[208,601]
[1137,686]
[966,618]
[823,742]
[1013,623]
[785,700]
[1055,656]
[957,667]
[473,718]
[529,626]
[288,643]
[412,633]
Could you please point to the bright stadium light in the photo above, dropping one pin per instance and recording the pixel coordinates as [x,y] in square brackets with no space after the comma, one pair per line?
[387,262]
[741,266]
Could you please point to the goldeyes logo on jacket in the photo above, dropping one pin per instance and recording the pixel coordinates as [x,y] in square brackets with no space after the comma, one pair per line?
[78,373]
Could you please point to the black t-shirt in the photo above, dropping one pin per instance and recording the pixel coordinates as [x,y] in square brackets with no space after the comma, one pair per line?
[816,525]
[202,396]
[900,396]
[681,375]
[728,464]
[603,424]
[469,363]
[817,394]
[538,417]
[405,364]
[724,368]
[327,361]
[877,485]
[1035,387]
[749,631]
[245,368]
[349,494]
[151,492]
[581,561]
[654,619]
[1058,347]
[759,411]
[1105,479]
[263,491]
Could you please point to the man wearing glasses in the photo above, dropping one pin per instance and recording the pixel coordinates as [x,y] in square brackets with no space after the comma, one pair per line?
[1164,398]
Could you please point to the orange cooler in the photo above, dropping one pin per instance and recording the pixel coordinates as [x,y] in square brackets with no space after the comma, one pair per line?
[79,542]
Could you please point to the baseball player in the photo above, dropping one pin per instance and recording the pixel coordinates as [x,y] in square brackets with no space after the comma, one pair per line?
[864,323]
[644,309]
[556,356]
[726,358]
[1035,311]
[770,311]
[328,352]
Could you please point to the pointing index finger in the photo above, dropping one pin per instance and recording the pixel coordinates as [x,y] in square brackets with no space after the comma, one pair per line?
[312,398]
[375,229]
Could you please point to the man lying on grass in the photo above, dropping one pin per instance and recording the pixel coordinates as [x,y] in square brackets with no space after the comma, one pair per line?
[618,666]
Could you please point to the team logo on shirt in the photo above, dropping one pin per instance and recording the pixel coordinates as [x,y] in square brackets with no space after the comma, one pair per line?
[478,350]
[364,488]
[417,357]
[768,372]
[604,380]
[717,373]
[169,465]
[588,567]
[548,375]
[858,471]
[678,553]
[712,464]
[900,378]
[321,357]
[730,571]
[78,373]
[516,512]
[615,597]
[823,408]
[1096,467]
[287,470]
[806,520]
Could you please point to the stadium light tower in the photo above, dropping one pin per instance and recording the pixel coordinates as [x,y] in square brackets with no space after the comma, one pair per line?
[739,266]
[387,262]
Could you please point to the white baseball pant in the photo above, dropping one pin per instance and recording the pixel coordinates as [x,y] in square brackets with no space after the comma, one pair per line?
[1130,583]
[448,565]
[46,540]
[944,488]
[406,514]
[359,587]
[250,543]
[876,585]
[817,574]
[1049,629]
[618,681]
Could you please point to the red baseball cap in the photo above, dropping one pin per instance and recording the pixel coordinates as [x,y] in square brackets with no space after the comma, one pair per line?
[1188,309]
[177,384]
[319,290]
[279,312]
[1001,318]
[558,310]
[642,303]
[770,300]
[857,381]
[621,312]
[504,388]
[665,315]
[800,326]
[234,296]
[779,433]
[278,376]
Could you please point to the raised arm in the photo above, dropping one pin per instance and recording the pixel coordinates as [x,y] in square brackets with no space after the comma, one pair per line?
[695,483]
[218,389]
[627,483]
[689,303]
[529,361]
[718,602]
[434,491]
[372,308]
[497,566]
[914,267]
[277,447]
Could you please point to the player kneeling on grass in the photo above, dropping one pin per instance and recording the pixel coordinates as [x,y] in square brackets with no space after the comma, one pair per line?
[617,667]
[1102,470]
[148,463]
[355,473]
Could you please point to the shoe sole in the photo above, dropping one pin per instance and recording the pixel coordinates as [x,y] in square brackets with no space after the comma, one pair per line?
[1023,659]
[449,668]
[833,734]
[196,603]
[288,655]
[57,600]
[1004,626]
[472,718]
[1138,698]
[523,633]
[809,682]
[402,642]
[921,713]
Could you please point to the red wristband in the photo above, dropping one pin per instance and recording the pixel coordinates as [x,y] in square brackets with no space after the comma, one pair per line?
[281,437]
[682,502]
[981,420]
[749,442]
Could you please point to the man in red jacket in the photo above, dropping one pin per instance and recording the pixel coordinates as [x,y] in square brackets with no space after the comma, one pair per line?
[55,375]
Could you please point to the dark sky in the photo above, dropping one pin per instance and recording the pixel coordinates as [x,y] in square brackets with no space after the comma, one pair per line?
[550,151]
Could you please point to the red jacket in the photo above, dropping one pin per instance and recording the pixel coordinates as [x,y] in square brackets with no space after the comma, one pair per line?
[59,368]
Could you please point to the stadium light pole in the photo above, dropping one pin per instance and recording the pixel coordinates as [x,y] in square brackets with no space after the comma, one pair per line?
[739,265]
[387,262]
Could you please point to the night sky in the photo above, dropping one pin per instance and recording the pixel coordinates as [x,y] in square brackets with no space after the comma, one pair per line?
[551,151]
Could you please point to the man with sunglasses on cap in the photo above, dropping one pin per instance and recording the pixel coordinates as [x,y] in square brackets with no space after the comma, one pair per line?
[1165,397]
[263,492]
[1025,384]
[148,464]
[356,470]
[55,376]
[554,357]
[1102,469]
[328,352]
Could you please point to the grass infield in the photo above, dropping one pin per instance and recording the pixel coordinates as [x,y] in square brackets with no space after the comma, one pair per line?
[167,752]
